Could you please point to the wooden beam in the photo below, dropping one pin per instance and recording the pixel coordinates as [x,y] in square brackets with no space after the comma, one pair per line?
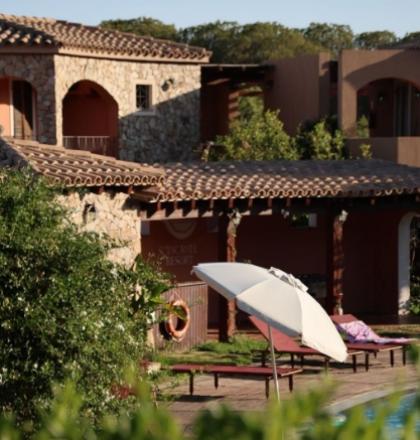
[335,261]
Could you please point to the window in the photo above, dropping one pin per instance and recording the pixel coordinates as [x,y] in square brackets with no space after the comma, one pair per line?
[143,97]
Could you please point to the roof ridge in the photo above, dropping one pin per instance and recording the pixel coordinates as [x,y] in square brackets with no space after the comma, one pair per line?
[100,38]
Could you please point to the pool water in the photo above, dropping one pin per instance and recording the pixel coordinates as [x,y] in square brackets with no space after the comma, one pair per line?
[396,420]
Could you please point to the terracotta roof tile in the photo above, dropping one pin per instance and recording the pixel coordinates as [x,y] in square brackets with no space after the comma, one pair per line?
[57,34]
[75,168]
[283,179]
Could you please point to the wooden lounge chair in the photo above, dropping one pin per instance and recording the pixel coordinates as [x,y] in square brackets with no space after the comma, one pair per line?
[265,373]
[285,344]
[372,347]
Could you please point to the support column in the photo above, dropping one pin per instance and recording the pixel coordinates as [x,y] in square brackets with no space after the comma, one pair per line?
[227,310]
[335,261]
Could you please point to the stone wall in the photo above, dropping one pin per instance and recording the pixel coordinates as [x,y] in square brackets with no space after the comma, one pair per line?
[109,214]
[170,132]
[39,71]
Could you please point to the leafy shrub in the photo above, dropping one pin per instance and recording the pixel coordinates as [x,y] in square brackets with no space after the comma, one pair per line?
[66,312]
[262,137]
[303,416]
[319,141]
[414,302]
[362,127]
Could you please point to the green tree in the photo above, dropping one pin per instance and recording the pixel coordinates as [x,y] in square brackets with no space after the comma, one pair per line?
[333,37]
[219,37]
[144,26]
[66,311]
[260,138]
[375,39]
[249,43]
[263,41]
[411,36]
[319,141]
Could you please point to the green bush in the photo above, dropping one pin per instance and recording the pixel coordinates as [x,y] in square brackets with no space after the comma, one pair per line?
[260,137]
[303,416]
[66,312]
[319,141]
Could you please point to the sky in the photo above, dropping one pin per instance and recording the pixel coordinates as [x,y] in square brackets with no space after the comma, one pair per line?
[399,16]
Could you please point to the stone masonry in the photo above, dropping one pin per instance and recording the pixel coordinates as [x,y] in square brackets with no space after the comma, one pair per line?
[107,214]
[39,71]
[170,132]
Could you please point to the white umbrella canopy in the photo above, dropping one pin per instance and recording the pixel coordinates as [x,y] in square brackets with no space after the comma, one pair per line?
[281,305]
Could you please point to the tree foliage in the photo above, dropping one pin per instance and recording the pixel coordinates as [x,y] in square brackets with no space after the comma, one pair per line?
[145,26]
[411,36]
[66,311]
[320,141]
[232,42]
[375,39]
[333,37]
[259,135]
[254,42]
[258,138]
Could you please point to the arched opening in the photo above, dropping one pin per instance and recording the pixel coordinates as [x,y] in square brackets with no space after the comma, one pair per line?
[90,119]
[17,108]
[391,107]
[408,260]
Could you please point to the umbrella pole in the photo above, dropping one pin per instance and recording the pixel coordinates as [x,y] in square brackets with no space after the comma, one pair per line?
[273,358]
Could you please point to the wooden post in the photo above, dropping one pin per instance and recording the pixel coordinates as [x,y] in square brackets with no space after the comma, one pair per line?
[335,261]
[227,309]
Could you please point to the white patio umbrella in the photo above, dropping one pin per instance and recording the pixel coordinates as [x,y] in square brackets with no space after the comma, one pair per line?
[279,300]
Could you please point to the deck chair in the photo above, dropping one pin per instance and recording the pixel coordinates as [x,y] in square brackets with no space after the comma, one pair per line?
[217,371]
[369,346]
[285,344]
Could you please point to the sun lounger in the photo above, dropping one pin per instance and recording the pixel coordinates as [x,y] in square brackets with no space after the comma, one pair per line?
[285,344]
[265,373]
[355,341]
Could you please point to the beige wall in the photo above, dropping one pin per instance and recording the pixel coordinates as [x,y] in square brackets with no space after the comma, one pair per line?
[114,216]
[5,120]
[300,89]
[404,150]
[357,68]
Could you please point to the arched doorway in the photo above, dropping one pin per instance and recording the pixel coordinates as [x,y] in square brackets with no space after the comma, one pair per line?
[391,107]
[90,119]
[17,108]
[408,259]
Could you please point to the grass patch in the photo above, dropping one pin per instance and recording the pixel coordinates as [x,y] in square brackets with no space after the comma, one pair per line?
[241,350]
[239,344]
[398,330]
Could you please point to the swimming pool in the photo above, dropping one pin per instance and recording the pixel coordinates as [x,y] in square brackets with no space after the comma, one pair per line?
[395,421]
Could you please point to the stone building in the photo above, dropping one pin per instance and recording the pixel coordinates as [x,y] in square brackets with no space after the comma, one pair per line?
[113,93]
[341,226]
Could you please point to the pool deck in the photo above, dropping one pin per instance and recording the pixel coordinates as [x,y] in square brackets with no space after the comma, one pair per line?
[248,395]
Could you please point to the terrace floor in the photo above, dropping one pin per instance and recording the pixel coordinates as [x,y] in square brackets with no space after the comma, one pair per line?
[248,395]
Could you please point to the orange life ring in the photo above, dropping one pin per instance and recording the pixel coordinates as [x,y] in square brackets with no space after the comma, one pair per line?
[175,326]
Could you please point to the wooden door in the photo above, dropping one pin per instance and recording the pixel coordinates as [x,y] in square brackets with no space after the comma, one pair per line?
[23,118]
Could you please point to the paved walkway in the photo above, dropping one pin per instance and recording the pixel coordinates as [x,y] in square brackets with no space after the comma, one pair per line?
[249,395]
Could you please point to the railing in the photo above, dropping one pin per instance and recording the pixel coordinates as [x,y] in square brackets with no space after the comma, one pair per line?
[105,145]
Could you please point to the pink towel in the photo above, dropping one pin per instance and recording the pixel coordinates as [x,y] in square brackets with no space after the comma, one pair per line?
[358,331]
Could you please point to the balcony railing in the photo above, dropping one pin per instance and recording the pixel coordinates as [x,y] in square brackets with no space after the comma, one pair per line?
[105,145]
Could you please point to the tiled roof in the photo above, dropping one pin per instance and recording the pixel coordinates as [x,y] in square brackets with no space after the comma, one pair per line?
[29,32]
[75,168]
[283,179]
